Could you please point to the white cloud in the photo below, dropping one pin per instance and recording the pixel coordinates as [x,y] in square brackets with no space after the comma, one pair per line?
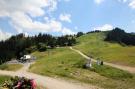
[67,31]
[65,17]
[105,27]
[4,35]
[32,7]
[26,24]
[98,1]
[132,4]
[66,0]
[124,1]
[46,19]
[19,12]
[52,5]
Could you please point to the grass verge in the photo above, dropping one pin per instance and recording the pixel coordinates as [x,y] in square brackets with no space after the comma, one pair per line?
[111,72]
[11,67]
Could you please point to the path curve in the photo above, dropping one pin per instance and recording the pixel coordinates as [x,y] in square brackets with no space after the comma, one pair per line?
[48,82]
[126,68]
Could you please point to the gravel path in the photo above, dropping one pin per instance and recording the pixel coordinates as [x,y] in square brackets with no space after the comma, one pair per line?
[126,68]
[47,82]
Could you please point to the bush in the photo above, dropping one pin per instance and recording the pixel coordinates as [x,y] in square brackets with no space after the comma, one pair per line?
[3,66]
[41,47]
[79,34]
[19,83]
[31,49]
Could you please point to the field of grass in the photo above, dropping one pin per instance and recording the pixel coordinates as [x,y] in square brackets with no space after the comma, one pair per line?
[68,64]
[11,67]
[93,44]
[3,78]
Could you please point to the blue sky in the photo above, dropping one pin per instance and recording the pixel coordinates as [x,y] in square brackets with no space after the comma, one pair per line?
[59,17]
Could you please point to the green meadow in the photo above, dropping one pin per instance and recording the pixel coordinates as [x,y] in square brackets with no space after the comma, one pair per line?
[65,63]
[93,45]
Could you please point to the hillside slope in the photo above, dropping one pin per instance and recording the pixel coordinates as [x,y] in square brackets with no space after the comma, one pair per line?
[67,64]
[93,44]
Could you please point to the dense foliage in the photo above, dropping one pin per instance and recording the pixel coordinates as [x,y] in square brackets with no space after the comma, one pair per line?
[120,36]
[19,83]
[95,31]
[18,45]
[79,34]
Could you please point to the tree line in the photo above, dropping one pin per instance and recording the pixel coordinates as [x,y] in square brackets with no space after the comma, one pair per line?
[120,36]
[18,45]
[115,35]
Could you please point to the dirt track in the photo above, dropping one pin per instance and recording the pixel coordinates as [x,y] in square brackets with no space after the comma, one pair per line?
[49,83]
[126,68]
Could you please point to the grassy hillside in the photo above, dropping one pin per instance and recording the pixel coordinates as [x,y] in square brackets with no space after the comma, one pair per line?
[59,62]
[93,44]
[63,62]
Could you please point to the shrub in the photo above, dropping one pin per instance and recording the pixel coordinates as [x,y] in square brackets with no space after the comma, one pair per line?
[3,66]
[79,34]
[19,83]
[41,47]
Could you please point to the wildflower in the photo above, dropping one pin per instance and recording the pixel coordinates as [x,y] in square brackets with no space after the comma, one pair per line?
[18,85]
[33,84]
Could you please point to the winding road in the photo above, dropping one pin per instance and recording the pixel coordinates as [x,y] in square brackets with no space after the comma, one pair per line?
[47,82]
[126,68]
